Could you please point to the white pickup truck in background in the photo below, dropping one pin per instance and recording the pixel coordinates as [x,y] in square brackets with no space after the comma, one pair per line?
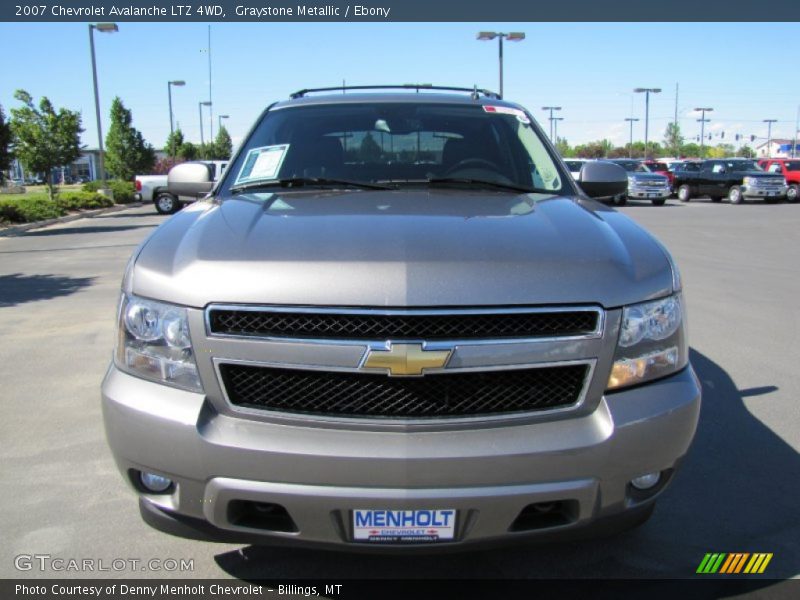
[154,188]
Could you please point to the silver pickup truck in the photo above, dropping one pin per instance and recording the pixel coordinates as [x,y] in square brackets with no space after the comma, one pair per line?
[398,322]
[155,188]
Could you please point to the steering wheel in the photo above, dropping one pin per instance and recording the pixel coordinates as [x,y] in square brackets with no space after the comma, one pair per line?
[477,163]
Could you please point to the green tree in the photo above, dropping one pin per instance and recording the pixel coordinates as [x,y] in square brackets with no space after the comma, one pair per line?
[43,138]
[174,142]
[720,151]
[126,151]
[370,151]
[563,147]
[5,143]
[223,145]
[188,151]
[690,150]
[746,152]
[673,140]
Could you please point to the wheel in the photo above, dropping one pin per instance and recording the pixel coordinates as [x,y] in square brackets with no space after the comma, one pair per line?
[684,193]
[716,199]
[735,195]
[659,201]
[622,200]
[791,192]
[166,204]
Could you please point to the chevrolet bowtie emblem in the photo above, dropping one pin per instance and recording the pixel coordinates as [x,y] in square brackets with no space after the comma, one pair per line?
[406,359]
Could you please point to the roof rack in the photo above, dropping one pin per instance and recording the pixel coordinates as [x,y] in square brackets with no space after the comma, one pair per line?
[475,91]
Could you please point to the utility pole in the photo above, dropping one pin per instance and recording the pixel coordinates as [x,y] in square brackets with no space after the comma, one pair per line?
[702,120]
[769,123]
[796,127]
[631,120]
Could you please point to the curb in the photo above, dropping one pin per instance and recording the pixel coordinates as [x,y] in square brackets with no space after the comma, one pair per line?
[18,229]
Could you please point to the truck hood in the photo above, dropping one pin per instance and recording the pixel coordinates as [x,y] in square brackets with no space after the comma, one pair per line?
[400,248]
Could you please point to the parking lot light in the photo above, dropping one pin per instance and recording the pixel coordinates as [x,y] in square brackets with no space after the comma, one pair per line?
[177,83]
[631,120]
[200,106]
[646,92]
[104,28]
[551,109]
[514,36]
[219,120]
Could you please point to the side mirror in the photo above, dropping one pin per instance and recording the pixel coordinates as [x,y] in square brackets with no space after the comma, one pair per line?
[603,179]
[190,179]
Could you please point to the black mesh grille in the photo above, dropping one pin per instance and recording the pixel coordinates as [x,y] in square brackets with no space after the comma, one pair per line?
[376,395]
[399,327]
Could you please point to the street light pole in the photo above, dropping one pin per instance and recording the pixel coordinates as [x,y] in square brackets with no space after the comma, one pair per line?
[200,106]
[702,120]
[631,120]
[555,130]
[103,28]
[219,121]
[177,83]
[769,123]
[551,109]
[796,127]
[514,36]
[647,92]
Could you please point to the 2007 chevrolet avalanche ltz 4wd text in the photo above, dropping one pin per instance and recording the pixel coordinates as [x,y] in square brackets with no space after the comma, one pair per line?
[398,322]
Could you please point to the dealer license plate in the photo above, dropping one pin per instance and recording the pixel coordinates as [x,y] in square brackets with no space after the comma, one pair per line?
[399,526]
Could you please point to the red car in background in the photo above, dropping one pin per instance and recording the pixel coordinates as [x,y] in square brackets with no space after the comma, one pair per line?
[661,168]
[789,168]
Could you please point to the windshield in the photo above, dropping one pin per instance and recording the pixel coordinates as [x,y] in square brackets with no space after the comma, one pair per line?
[657,166]
[397,143]
[744,165]
[632,166]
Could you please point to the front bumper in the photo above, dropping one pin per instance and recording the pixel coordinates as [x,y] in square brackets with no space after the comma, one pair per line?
[649,193]
[320,475]
[755,191]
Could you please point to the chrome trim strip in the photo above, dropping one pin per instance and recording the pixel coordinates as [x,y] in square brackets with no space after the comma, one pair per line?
[596,333]
[430,421]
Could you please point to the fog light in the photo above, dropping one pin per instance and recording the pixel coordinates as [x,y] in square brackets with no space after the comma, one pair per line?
[155,483]
[646,482]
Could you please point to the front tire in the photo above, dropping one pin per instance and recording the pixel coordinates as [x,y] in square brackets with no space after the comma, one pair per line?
[659,202]
[735,195]
[684,193]
[791,193]
[167,204]
[622,201]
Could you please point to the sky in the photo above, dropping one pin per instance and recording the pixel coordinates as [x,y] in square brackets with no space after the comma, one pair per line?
[745,71]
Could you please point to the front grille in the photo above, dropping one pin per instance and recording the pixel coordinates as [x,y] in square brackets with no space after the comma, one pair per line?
[410,326]
[377,395]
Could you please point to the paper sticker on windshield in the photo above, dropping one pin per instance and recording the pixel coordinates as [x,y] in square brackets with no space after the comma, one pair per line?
[507,110]
[262,163]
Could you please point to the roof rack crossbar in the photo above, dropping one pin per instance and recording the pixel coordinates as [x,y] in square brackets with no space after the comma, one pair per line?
[405,86]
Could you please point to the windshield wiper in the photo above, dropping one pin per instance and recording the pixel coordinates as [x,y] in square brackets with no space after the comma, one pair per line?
[292,182]
[486,183]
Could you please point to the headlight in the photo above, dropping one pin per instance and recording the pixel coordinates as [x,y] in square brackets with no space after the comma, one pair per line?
[750,181]
[154,343]
[651,344]
[631,181]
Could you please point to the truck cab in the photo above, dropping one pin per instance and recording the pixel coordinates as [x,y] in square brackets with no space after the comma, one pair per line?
[789,168]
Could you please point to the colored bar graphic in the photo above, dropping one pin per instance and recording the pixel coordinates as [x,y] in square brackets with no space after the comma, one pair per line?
[734,562]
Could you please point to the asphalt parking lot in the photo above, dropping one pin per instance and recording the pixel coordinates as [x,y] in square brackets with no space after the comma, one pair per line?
[738,490]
